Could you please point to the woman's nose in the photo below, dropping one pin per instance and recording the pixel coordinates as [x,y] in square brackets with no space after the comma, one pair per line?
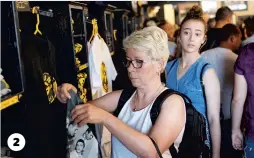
[131,67]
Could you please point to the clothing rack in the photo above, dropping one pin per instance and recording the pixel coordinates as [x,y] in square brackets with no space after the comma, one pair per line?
[24,6]
[89,21]
[48,13]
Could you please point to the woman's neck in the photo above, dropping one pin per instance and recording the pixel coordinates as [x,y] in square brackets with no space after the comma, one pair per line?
[149,90]
[188,59]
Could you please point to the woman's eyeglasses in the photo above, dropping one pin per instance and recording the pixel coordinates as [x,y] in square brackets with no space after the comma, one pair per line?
[137,63]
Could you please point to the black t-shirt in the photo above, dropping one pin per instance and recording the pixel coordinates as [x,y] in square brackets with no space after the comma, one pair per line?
[213,39]
[45,117]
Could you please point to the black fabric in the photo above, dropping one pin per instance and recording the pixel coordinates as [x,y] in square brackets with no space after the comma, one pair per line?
[45,122]
[213,39]
[227,149]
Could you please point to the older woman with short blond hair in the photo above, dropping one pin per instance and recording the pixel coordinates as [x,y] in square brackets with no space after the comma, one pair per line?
[146,57]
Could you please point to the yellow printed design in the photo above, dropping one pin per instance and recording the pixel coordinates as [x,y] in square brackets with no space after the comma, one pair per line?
[104,77]
[51,86]
[78,48]
[81,82]
[77,62]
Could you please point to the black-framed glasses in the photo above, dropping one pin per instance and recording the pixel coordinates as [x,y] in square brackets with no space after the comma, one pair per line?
[137,63]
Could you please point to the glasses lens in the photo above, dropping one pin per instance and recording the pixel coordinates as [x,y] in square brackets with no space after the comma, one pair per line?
[138,63]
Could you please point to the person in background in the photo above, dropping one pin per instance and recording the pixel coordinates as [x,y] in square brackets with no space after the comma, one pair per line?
[183,75]
[249,30]
[170,30]
[223,16]
[243,100]
[150,22]
[223,59]
[146,58]
[211,23]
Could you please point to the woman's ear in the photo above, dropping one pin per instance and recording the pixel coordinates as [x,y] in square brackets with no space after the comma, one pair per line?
[161,65]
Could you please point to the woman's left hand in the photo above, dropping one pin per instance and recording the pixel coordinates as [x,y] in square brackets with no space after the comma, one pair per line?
[88,113]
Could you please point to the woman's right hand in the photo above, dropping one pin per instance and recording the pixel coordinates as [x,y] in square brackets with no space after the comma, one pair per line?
[62,92]
[237,139]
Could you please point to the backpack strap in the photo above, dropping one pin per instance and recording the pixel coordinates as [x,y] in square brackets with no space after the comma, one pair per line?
[124,97]
[155,111]
[202,84]
[201,81]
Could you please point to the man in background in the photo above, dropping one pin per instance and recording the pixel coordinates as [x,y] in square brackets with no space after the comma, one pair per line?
[249,31]
[223,16]
[223,59]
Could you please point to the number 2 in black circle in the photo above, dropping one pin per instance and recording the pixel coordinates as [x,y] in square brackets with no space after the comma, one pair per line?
[16,143]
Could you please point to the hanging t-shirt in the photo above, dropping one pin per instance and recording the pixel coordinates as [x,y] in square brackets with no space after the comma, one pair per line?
[102,73]
[44,127]
[101,67]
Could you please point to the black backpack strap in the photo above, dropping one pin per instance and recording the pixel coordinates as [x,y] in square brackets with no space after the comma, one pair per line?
[155,111]
[202,84]
[124,97]
[201,80]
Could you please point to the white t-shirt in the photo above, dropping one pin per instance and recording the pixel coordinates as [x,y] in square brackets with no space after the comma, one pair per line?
[248,40]
[141,121]
[101,68]
[102,73]
[223,60]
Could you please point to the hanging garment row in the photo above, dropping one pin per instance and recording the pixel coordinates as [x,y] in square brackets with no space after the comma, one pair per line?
[50,52]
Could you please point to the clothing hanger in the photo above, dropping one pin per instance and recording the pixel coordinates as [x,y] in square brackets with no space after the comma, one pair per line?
[35,11]
[95,30]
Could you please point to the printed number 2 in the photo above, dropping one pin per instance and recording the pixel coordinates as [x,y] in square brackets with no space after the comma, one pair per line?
[16,143]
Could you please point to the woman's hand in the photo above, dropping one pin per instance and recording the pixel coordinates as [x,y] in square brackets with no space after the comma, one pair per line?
[62,92]
[237,140]
[88,113]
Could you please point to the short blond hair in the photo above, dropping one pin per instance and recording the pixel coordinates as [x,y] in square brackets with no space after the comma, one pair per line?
[151,40]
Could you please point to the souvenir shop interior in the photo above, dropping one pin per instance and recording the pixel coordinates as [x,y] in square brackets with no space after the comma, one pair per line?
[46,44]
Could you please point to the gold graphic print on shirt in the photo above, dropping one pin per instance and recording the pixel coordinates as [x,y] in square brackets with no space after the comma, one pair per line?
[77,62]
[78,48]
[50,85]
[104,77]
[81,82]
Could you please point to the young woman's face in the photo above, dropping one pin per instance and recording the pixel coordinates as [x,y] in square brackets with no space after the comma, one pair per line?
[192,35]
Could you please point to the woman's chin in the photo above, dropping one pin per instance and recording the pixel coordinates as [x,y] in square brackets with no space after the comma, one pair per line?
[135,83]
